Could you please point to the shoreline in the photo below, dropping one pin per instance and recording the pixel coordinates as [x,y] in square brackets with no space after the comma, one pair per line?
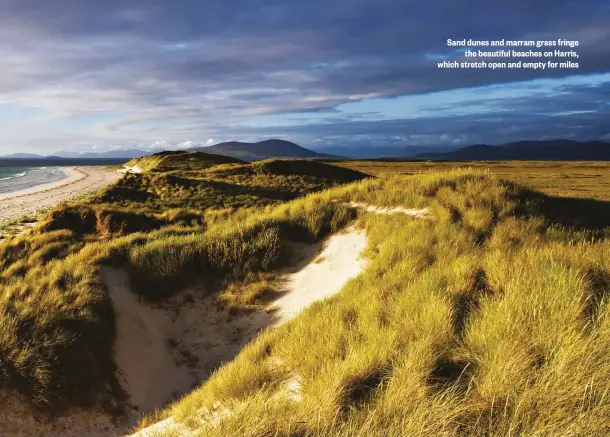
[72,175]
[80,180]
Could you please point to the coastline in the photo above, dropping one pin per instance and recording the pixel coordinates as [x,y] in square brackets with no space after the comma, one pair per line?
[79,180]
[72,175]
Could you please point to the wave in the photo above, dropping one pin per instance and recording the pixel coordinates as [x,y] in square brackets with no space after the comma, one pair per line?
[18,175]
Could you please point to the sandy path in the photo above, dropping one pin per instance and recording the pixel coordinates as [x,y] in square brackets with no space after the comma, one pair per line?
[81,180]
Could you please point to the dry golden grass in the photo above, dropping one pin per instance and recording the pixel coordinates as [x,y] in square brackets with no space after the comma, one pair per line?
[555,178]
[56,319]
[489,320]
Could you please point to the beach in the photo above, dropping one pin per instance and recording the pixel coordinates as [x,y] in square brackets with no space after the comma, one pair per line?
[79,181]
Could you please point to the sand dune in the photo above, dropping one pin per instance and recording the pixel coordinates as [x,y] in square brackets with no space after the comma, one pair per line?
[80,180]
[183,340]
[321,277]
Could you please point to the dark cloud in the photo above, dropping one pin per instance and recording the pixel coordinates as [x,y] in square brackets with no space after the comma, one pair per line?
[218,62]
[582,113]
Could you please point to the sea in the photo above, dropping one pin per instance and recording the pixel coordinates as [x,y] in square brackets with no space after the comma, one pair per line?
[14,178]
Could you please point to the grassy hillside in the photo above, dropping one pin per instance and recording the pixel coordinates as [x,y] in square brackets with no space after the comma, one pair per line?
[488,320]
[166,226]
[177,160]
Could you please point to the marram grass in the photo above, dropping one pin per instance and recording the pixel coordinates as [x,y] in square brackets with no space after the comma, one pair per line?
[488,318]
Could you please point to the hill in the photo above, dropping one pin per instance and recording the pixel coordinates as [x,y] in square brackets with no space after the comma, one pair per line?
[180,160]
[261,150]
[201,181]
[478,320]
[553,150]
[485,316]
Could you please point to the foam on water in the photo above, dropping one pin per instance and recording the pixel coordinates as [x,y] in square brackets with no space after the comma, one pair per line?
[22,178]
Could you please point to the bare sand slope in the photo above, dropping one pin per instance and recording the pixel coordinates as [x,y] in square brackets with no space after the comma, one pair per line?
[338,262]
[141,349]
[323,276]
[163,351]
[80,181]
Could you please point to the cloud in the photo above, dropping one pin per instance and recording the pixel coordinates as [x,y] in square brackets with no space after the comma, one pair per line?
[159,145]
[131,72]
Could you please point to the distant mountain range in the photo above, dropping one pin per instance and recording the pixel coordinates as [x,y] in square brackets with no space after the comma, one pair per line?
[25,156]
[114,154]
[261,150]
[552,150]
[123,154]
[383,151]
[235,149]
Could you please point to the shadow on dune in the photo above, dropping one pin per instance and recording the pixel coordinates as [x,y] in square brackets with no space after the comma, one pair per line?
[581,214]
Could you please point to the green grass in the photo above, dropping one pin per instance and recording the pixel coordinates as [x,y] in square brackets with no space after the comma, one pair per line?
[180,160]
[233,251]
[200,181]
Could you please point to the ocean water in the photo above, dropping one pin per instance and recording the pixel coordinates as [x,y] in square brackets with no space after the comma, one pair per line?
[22,178]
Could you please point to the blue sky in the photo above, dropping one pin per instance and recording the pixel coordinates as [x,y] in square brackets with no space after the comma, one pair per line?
[81,74]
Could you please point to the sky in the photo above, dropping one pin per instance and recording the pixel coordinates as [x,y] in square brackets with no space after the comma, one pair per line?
[93,75]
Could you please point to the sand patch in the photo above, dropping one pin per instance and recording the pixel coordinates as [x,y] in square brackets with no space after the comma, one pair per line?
[419,213]
[164,351]
[338,262]
[140,348]
[133,169]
